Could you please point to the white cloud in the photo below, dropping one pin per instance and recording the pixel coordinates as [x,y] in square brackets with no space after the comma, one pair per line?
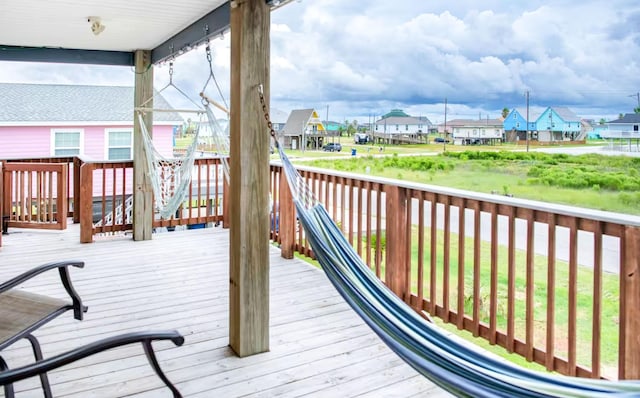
[365,58]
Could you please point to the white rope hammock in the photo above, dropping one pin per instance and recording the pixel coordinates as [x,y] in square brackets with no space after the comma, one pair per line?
[170,177]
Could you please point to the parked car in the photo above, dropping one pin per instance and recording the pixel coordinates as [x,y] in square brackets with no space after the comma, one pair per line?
[440,140]
[332,147]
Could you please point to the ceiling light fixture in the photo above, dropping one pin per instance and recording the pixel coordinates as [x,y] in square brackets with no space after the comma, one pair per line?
[96,25]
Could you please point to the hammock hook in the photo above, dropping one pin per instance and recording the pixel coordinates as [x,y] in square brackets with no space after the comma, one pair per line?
[211,77]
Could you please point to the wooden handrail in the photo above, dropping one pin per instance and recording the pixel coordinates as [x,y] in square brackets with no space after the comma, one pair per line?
[436,272]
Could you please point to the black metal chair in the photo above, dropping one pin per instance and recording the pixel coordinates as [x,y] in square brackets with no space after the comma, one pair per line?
[22,312]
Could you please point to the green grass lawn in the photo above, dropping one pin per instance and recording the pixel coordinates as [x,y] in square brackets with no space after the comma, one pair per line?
[504,177]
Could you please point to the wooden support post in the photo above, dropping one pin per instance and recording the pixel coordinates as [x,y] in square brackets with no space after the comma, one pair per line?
[143,191]
[287,221]
[249,205]
[629,355]
[396,235]
[85,205]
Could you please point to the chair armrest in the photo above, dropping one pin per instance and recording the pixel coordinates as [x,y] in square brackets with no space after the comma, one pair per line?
[63,269]
[13,375]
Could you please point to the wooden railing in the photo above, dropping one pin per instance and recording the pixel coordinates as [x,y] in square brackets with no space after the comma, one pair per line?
[550,283]
[34,195]
[106,198]
[72,163]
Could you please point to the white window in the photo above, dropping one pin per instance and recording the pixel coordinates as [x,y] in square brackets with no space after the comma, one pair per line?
[66,142]
[119,144]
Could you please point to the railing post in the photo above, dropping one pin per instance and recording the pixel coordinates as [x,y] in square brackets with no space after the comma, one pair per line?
[1,202]
[85,205]
[6,199]
[396,236]
[287,218]
[629,356]
[226,197]
[77,164]
[62,199]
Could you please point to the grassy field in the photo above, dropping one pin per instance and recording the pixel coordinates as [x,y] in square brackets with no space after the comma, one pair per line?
[600,182]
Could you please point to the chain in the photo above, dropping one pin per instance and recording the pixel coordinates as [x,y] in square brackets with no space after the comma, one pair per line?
[266,114]
[171,72]
[208,49]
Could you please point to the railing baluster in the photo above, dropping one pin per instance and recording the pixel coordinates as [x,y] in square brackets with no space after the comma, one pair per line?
[511,281]
[421,232]
[462,208]
[493,299]
[446,260]
[407,243]
[476,268]
[573,293]
[551,292]
[530,286]
[368,220]
[433,278]
[379,231]
[597,302]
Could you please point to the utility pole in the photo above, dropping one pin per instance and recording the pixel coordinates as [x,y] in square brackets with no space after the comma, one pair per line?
[326,128]
[637,95]
[527,134]
[444,143]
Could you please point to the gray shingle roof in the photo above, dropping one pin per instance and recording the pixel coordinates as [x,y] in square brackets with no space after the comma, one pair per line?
[298,119]
[533,114]
[73,103]
[628,118]
[566,114]
[473,123]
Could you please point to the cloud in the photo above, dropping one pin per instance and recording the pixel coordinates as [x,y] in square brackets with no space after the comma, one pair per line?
[365,58]
[483,56]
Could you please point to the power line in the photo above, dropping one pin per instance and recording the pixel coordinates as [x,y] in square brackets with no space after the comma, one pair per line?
[637,95]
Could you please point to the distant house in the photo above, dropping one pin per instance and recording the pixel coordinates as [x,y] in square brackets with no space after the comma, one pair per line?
[42,120]
[278,118]
[627,126]
[332,127]
[558,124]
[398,123]
[553,124]
[476,131]
[515,124]
[303,125]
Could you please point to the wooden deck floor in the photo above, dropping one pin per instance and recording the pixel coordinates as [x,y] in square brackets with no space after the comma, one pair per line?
[179,280]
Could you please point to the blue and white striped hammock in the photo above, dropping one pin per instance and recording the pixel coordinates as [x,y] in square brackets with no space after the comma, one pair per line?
[452,364]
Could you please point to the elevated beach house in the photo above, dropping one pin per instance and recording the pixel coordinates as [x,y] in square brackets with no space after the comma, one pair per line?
[43,120]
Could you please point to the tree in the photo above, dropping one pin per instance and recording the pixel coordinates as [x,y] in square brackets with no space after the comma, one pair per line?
[505,112]
[602,121]
[636,110]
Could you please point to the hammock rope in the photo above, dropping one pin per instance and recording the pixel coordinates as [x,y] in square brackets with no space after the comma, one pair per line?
[458,367]
[170,177]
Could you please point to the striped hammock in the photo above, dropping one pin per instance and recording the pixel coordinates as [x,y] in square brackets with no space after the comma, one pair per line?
[454,365]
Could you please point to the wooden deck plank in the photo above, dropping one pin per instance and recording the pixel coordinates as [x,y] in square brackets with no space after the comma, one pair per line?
[179,280]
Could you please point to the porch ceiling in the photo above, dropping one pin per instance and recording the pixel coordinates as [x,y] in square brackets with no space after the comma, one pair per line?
[31,29]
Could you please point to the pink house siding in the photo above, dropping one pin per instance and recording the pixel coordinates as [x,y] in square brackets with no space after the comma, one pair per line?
[23,141]
[35,141]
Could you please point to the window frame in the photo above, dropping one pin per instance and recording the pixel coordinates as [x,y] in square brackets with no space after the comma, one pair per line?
[107,147]
[52,140]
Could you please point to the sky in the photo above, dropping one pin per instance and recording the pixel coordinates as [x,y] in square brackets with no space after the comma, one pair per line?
[351,59]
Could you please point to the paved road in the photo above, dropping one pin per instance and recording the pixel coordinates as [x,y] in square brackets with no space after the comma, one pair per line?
[611,245]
